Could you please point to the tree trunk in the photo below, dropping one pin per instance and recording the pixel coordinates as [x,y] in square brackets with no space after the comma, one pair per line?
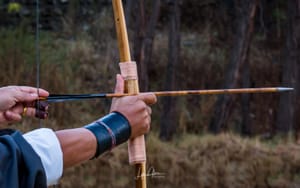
[289,102]
[169,112]
[246,129]
[297,50]
[128,11]
[245,13]
[139,47]
[143,40]
[148,42]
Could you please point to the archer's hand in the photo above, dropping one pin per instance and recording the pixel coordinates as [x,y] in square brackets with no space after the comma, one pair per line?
[14,99]
[135,108]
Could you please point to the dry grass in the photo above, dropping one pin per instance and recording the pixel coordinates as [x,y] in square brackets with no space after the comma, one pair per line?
[82,65]
[196,161]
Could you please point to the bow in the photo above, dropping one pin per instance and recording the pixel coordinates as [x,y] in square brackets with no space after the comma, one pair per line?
[136,147]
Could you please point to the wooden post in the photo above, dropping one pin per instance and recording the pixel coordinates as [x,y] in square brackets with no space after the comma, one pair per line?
[136,147]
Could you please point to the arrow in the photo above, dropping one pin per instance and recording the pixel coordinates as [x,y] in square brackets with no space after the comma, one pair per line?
[54,98]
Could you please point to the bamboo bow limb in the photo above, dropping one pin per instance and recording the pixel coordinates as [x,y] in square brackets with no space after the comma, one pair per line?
[136,147]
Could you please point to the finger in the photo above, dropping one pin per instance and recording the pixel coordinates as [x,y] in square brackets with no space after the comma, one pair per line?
[148,98]
[25,97]
[148,123]
[119,88]
[28,94]
[41,114]
[42,105]
[33,112]
[30,112]
[12,116]
[149,110]
[41,92]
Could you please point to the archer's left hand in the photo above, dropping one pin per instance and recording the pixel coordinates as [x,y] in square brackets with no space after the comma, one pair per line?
[135,108]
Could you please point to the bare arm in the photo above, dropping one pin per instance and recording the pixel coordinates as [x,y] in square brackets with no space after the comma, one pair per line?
[78,145]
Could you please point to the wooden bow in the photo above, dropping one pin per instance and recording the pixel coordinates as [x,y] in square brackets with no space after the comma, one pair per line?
[136,147]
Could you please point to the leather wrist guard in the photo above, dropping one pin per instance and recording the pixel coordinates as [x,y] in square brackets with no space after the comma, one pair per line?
[110,131]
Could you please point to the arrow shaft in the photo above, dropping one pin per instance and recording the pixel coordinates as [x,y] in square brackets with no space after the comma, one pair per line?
[216,91]
[63,98]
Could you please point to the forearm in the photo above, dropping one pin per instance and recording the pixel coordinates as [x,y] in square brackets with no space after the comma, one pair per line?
[78,145]
[61,149]
[81,144]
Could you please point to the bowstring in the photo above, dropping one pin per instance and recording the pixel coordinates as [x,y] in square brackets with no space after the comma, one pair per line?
[37,57]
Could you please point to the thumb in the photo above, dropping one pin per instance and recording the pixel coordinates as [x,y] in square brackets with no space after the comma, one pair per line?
[119,88]
[149,98]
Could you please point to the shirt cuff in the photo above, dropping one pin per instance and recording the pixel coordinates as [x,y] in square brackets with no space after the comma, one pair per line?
[45,143]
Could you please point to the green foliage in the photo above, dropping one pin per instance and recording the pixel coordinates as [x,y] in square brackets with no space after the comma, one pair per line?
[65,68]
[14,7]
[14,50]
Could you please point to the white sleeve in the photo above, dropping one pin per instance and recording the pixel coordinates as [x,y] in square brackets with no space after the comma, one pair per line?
[45,143]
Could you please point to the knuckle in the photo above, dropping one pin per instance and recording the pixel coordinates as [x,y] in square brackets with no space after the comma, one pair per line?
[145,109]
[149,110]
[143,106]
[148,127]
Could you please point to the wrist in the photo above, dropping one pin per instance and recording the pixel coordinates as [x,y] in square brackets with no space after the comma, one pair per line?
[110,131]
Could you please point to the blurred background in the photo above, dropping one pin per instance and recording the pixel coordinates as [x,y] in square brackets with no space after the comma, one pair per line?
[249,140]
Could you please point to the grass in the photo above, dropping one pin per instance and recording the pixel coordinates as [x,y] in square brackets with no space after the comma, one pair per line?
[81,65]
[225,160]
